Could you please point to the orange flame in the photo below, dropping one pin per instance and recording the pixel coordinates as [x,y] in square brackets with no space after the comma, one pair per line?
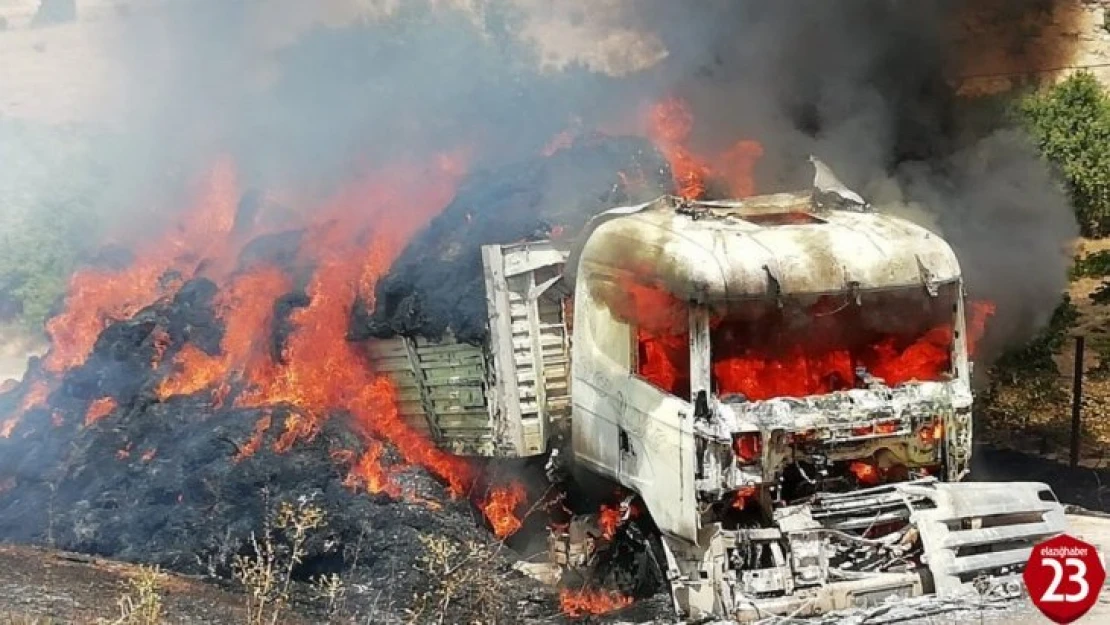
[743,496]
[321,371]
[577,603]
[765,371]
[97,297]
[369,472]
[36,396]
[501,509]
[609,519]
[246,306]
[252,445]
[865,472]
[99,409]
[670,124]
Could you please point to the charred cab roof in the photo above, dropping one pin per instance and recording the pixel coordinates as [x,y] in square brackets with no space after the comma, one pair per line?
[765,245]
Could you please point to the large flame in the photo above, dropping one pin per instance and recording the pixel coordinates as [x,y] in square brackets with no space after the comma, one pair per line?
[97,297]
[670,125]
[246,305]
[798,370]
[349,242]
[501,509]
[320,371]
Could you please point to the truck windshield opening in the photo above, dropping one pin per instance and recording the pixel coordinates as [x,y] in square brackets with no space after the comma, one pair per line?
[832,343]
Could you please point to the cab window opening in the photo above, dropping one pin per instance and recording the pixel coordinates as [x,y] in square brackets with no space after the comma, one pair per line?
[817,345]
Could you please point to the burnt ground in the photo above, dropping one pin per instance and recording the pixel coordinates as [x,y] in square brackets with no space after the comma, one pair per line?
[192,507]
[44,586]
[48,587]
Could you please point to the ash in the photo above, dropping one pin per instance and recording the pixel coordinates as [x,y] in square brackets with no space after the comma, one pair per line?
[927,609]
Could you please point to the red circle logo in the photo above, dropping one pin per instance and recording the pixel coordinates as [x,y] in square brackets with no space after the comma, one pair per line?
[1064,576]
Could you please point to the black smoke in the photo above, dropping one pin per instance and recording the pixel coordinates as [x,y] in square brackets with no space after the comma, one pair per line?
[305,96]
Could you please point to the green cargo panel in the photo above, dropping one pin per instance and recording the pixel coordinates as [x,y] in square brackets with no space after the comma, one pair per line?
[506,398]
[441,389]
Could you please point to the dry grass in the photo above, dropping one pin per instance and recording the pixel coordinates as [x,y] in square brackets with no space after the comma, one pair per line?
[464,575]
[143,604]
[267,575]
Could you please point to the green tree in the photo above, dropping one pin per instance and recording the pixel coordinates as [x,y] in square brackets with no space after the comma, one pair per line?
[1071,124]
[52,208]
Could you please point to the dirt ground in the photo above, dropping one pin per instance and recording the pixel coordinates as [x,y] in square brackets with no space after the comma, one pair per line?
[50,587]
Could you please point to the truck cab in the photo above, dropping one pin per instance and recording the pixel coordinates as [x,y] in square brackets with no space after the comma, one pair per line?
[732,357]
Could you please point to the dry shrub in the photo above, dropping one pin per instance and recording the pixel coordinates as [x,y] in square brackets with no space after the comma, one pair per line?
[142,604]
[267,574]
[465,582]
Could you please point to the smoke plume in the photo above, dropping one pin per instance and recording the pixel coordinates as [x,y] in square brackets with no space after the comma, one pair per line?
[304,96]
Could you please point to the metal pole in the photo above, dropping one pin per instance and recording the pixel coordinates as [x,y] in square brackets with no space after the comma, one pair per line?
[1077,401]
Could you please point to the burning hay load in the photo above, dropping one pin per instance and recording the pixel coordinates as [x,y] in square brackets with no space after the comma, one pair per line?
[436,284]
[193,390]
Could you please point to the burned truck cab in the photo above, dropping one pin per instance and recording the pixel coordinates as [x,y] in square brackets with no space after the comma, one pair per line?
[732,359]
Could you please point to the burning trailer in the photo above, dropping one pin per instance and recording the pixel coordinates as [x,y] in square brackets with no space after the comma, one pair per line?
[780,388]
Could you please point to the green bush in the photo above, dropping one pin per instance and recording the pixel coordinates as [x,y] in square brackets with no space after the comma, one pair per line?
[52,204]
[1071,124]
[1095,265]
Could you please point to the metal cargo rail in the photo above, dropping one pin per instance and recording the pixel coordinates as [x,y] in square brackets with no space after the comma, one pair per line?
[500,399]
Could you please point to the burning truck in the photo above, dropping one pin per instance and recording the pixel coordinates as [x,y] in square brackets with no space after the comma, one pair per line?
[779,386]
[762,403]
